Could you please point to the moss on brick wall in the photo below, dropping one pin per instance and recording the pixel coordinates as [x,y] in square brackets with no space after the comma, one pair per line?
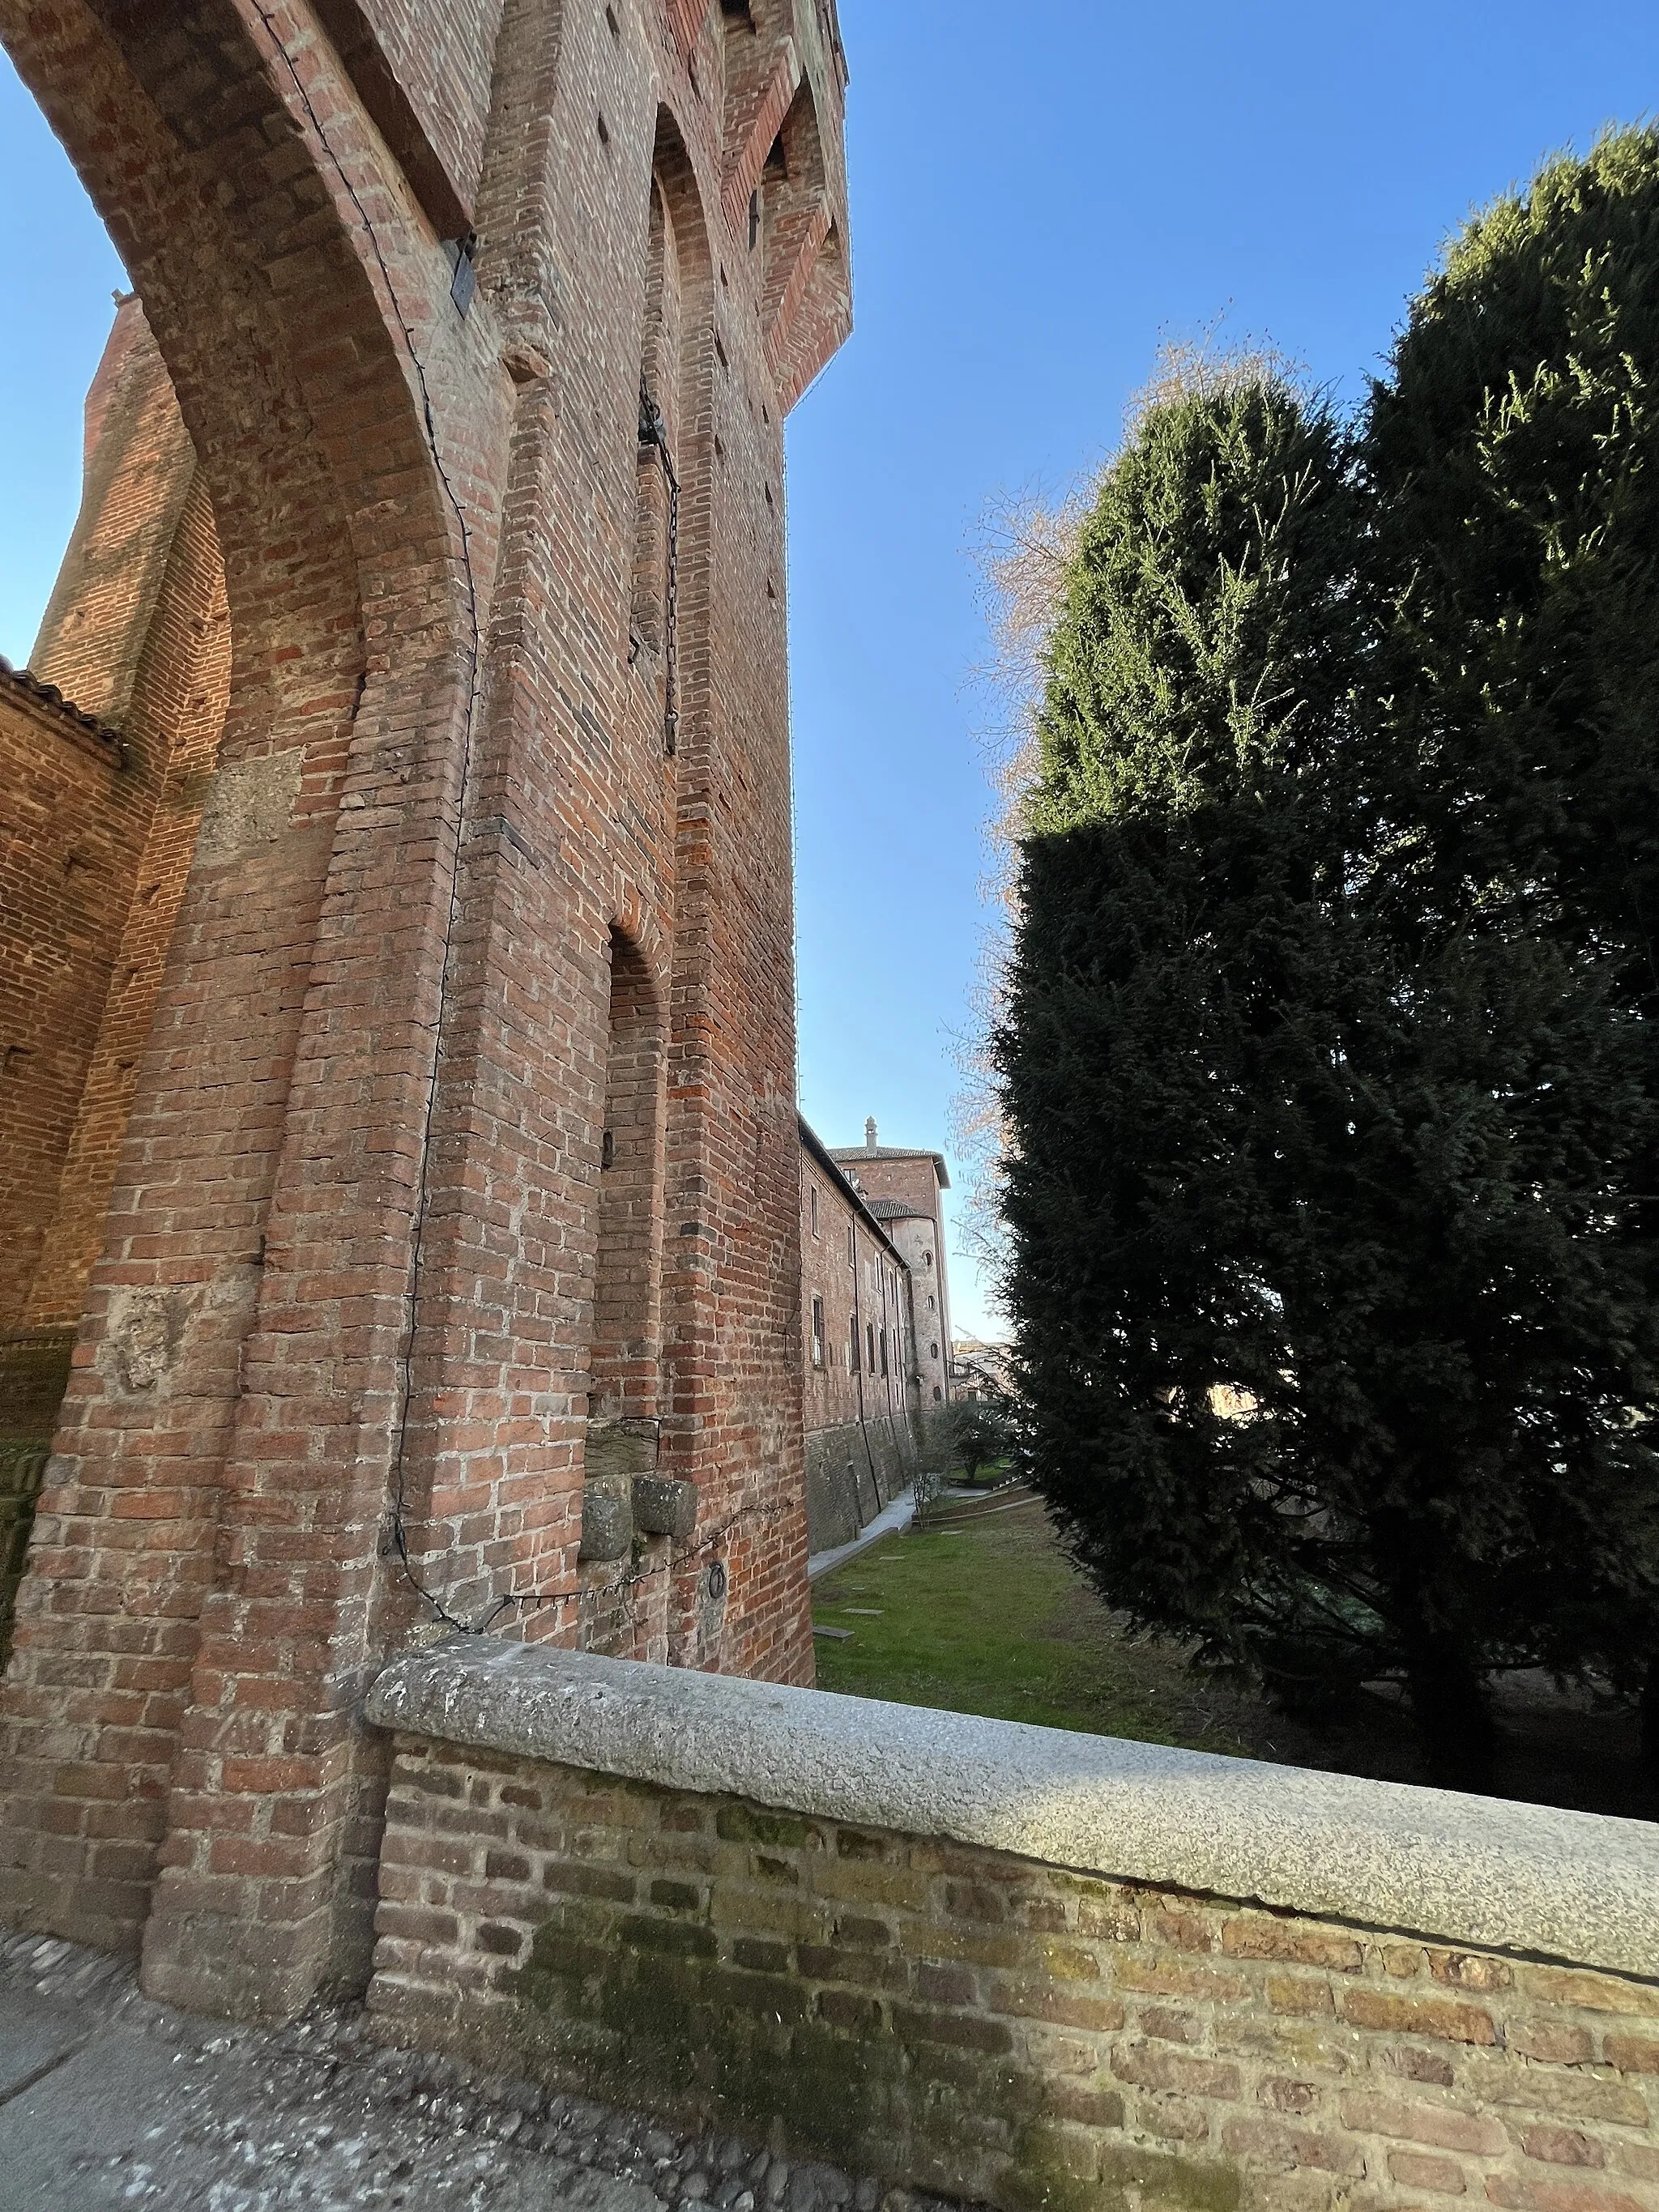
[986,2025]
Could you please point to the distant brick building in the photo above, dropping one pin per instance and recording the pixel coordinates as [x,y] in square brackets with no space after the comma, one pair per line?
[902,1188]
[858,1352]
[979,1369]
[874,1315]
[399,1039]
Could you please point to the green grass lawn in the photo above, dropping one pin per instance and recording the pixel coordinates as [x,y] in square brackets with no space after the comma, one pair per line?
[992,1618]
[995,1619]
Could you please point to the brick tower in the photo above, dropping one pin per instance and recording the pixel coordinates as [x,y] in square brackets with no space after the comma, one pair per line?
[448,1279]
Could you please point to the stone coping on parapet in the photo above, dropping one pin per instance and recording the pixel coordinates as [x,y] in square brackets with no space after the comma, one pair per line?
[1527,1879]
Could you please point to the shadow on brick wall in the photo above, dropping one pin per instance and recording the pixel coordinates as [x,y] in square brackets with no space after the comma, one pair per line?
[33,1374]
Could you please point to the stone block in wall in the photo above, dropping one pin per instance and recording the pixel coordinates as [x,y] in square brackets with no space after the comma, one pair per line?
[620,1456]
[607,1520]
[620,1448]
[664,1507]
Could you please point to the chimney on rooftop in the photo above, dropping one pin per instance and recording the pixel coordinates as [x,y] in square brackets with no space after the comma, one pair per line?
[870,1134]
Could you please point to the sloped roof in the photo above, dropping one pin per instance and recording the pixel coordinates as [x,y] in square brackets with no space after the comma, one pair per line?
[812,1143]
[22,685]
[896,1209]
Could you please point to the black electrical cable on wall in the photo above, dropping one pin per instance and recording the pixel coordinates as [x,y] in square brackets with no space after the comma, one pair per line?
[399,1533]
[654,432]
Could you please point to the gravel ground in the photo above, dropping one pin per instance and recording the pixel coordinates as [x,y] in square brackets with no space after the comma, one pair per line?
[108,2098]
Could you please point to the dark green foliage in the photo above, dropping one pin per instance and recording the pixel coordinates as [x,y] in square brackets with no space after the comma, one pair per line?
[1513,456]
[1514,452]
[982,1432]
[1328,1059]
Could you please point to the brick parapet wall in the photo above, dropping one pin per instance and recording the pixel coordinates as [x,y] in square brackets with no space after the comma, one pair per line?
[989,2025]
[99,821]
[138,468]
[174,714]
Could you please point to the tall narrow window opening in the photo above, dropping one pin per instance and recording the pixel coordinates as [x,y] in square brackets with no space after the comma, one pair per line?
[628,1272]
[653,641]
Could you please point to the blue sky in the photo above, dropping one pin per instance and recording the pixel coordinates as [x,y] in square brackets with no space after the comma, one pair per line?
[1040,192]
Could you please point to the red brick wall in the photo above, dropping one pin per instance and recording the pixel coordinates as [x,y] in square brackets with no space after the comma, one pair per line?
[345,1309]
[139,469]
[102,823]
[440,54]
[176,712]
[72,822]
[912,1178]
[627,1275]
[1002,2030]
[861,1284]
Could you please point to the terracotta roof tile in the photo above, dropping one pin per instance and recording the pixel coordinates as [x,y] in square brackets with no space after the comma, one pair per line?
[48,695]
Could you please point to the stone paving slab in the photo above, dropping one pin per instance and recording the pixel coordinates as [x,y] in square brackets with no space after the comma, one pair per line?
[36,2033]
[108,2099]
[87,2126]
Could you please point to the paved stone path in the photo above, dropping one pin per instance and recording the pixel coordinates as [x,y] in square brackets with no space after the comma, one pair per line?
[108,2099]
[898,1514]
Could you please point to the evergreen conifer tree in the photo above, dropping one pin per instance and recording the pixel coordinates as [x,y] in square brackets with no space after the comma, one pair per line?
[1513,458]
[1327,1062]
[1186,962]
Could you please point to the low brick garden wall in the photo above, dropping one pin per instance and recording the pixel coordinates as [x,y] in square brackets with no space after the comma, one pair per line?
[988,2023]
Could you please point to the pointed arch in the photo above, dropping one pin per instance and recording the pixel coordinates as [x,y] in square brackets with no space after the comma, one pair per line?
[199,142]
[670,546]
[626,1360]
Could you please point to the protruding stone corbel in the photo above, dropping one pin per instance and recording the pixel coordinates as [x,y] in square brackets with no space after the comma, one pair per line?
[665,1507]
[624,1496]
[607,1520]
